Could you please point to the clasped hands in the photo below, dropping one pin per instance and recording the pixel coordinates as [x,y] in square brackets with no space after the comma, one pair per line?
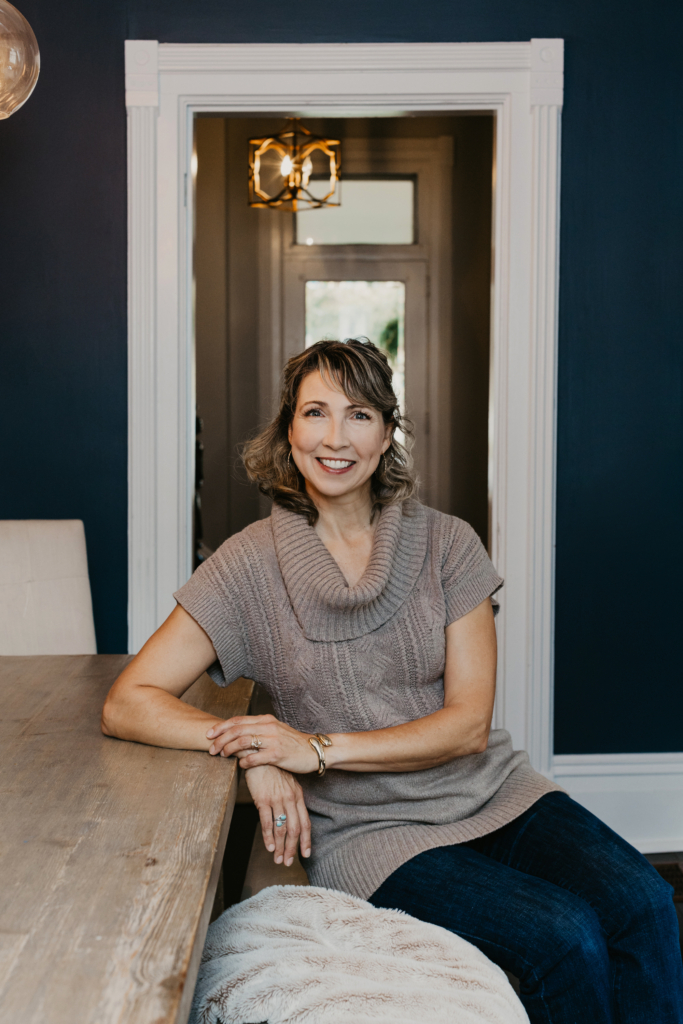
[279,744]
[272,785]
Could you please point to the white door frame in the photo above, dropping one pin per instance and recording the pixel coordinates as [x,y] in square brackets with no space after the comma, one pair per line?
[522,83]
[640,795]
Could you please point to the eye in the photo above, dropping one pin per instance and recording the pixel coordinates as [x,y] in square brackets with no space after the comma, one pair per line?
[361,415]
[313,412]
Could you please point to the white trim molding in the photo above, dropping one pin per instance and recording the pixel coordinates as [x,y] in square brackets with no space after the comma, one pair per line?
[521,84]
[640,796]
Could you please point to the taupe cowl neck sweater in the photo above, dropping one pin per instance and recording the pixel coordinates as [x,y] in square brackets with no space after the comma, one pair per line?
[335,658]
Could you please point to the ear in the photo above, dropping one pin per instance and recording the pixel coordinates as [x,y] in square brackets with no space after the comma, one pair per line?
[289,433]
[388,436]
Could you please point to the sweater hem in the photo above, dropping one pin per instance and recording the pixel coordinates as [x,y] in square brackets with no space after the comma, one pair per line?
[360,866]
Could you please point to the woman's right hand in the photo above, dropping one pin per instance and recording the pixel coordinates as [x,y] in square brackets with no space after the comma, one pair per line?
[277,792]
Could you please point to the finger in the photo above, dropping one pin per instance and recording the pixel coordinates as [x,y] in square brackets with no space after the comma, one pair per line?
[219,742]
[232,742]
[253,758]
[305,826]
[241,739]
[266,816]
[220,727]
[280,832]
[293,830]
[241,723]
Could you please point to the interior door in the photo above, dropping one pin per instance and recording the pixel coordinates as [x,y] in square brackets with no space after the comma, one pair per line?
[366,306]
[413,250]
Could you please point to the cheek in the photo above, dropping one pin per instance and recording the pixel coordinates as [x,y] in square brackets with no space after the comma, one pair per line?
[304,434]
[368,443]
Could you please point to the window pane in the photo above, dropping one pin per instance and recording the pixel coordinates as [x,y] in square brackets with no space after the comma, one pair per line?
[371,213]
[352,309]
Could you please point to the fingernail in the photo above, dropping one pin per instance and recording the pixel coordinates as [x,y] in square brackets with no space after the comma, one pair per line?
[212,749]
[270,849]
[288,863]
[209,734]
[278,860]
[306,853]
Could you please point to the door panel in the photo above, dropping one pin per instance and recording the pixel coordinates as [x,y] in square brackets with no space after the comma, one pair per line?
[413,275]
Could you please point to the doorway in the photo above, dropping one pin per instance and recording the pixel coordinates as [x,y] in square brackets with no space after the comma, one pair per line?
[521,84]
[406,261]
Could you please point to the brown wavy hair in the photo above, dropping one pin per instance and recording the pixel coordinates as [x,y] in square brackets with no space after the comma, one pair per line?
[362,372]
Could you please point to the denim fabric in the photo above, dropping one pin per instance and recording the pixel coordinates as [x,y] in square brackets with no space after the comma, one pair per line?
[562,902]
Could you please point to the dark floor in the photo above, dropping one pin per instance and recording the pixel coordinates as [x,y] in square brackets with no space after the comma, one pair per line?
[665,864]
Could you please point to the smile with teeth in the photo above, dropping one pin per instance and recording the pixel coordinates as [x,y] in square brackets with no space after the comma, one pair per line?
[336,465]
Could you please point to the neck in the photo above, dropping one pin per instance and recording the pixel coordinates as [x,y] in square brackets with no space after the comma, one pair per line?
[343,516]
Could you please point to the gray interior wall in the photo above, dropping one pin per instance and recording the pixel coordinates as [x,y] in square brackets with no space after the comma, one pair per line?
[471,306]
[211,324]
[227,323]
[243,324]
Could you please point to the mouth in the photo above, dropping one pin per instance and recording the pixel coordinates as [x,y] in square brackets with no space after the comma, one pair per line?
[336,466]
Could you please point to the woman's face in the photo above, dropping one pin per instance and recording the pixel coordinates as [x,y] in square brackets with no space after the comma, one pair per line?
[336,444]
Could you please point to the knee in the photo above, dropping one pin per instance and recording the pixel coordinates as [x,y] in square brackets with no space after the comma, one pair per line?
[572,942]
[580,937]
[648,901]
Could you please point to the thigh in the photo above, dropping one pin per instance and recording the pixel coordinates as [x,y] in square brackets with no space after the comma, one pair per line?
[525,924]
[561,842]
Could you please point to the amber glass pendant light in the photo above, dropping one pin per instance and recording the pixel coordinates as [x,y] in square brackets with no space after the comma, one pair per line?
[294,170]
[19,60]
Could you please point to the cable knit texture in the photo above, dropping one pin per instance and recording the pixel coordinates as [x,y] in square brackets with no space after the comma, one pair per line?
[335,658]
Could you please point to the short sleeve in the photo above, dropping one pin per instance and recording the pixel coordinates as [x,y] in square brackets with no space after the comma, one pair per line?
[209,598]
[467,575]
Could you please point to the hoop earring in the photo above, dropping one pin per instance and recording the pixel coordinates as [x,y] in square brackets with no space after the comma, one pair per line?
[289,460]
[384,461]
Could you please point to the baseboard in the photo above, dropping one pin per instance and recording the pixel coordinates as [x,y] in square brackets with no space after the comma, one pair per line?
[640,796]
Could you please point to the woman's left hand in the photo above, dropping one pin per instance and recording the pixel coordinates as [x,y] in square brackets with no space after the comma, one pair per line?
[279,743]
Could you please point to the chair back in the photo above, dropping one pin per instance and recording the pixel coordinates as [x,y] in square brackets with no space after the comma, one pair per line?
[45,602]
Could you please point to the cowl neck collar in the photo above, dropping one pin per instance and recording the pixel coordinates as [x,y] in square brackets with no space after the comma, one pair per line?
[325,606]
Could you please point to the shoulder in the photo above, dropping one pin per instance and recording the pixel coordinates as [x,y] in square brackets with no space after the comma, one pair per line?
[448,535]
[256,536]
[245,550]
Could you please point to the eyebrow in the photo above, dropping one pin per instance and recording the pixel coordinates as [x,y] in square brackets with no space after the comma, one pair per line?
[353,405]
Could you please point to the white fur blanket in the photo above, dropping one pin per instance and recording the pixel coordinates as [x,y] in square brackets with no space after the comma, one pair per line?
[303,955]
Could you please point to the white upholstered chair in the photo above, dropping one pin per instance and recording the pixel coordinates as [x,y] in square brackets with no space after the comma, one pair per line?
[45,602]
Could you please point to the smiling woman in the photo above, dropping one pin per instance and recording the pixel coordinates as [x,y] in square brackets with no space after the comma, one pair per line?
[349,400]
[367,618]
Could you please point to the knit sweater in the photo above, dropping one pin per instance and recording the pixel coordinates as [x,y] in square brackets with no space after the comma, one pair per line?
[335,658]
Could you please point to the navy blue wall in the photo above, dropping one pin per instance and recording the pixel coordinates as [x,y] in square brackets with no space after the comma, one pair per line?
[63,305]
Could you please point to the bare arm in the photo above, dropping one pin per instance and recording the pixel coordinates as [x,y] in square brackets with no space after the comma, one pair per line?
[144,703]
[460,727]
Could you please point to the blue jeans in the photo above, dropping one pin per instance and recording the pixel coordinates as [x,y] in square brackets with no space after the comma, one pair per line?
[563,903]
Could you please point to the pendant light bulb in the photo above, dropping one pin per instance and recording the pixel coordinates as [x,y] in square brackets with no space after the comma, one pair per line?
[286,167]
[19,60]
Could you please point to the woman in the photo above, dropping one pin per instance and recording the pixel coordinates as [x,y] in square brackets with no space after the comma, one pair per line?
[368,619]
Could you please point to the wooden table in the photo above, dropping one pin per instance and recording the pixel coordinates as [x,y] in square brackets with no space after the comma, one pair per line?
[109,851]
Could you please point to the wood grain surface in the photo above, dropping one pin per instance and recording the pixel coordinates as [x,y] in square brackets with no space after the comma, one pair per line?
[109,851]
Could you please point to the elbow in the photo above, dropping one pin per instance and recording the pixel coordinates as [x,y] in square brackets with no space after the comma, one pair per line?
[108,719]
[480,740]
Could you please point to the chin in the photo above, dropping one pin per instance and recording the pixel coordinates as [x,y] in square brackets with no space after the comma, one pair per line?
[333,487]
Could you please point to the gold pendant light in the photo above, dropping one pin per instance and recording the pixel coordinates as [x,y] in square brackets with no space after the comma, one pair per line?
[294,170]
[19,60]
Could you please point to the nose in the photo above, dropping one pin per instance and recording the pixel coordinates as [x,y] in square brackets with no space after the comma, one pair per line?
[335,435]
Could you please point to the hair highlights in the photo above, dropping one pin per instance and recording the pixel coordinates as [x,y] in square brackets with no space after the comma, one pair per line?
[362,372]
